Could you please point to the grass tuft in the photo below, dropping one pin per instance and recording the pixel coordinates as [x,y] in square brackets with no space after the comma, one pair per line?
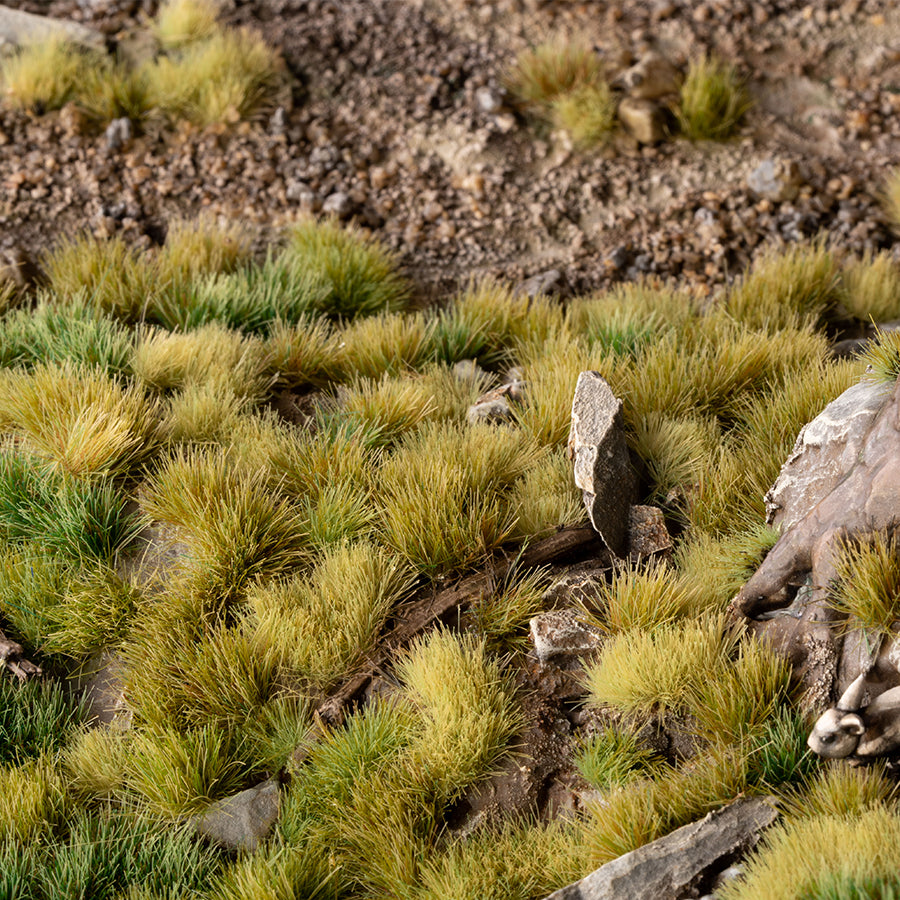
[614,758]
[94,764]
[872,288]
[713,100]
[868,583]
[587,113]
[552,70]
[882,357]
[32,799]
[42,76]
[182,22]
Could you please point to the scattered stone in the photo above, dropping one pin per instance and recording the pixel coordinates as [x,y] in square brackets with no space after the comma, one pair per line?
[563,633]
[647,533]
[602,466]
[489,100]
[12,657]
[19,269]
[19,29]
[494,406]
[545,284]
[468,370]
[243,821]
[644,120]
[338,204]
[675,865]
[652,77]
[776,180]
[514,383]
[118,133]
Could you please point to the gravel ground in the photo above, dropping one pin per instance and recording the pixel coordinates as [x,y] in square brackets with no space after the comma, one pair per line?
[392,124]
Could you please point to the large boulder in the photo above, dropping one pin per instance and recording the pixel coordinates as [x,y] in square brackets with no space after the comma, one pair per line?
[602,466]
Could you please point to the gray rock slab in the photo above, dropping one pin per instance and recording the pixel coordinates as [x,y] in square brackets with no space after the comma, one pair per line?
[19,29]
[243,821]
[671,867]
[563,633]
[825,451]
[599,452]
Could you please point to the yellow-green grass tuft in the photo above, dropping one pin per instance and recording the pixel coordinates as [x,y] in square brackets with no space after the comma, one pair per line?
[202,246]
[116,280]
[467,710]
[882,357]
[231,75]
[837,789]
[867,589]
[551,70]
[500,616]
[739,699]
[215,356]
[228,516]
[352,275]
[204,414]
[824,856]
[614,758]
[276,730]
[94,764]
[891,198]
[32,799]
[788,288]
[174,774]
[872,287]
[304,352]
[509,861]
[386,344]
[276,873]
[322,625]
[587,113]
[642,598]
[545,498]
[108,90]
[80,420]
[42,76]
[713,99]
[182,22]
[642,672]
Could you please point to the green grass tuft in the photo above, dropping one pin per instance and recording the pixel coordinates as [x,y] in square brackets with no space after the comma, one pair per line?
[613,758]
[587,113]
[713,100]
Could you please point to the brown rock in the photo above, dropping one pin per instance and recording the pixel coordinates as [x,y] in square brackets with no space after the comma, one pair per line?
[643,119]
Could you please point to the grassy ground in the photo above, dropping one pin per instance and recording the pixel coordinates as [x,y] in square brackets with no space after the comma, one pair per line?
[141,388]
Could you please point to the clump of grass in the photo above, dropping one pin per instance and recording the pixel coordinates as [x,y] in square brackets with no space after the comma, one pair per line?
[76,519]
[386,344]
[641,598]
[512,861]
[788,288]
[54,332]
[35,719]
[891,198]
[175,774]
[620,327]
[213,356]
[552,70]
[32,799]
[108,90]
[182,22]
[713,99]
[807,857]
[587,113]
[501,616]
[228,76]
[42,76]
[227,516]
[641,672]
[94,764]
[106,275]
[466,707]
[204,414]
[276,730]
[304,352]
[613,758]
[739,699]
[839,790]
[545,498]
[872,288]
[80,420]
[321,626]
[354,276]
[201,246]
[868,582]
[779,755]
[882,357]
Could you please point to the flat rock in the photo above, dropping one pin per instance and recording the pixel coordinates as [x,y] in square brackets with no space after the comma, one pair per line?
[777,180]
[601,462]
[563,634]
[824,452]
[19,29]
[242,821]
[673,866]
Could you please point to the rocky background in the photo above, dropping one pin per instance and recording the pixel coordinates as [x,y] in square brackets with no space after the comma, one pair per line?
[398,120]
